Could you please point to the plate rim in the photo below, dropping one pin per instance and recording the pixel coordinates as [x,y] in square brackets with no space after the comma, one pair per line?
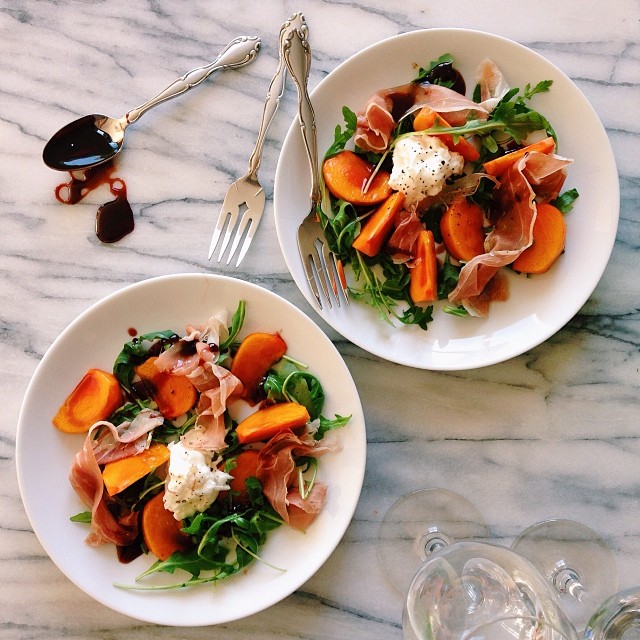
[608,159]
[359,460]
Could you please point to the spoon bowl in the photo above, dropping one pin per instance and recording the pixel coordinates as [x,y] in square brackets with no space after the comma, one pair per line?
[95,139]
[85,142]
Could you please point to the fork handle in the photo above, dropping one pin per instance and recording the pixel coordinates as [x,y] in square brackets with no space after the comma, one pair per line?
[274,93]
[298,59]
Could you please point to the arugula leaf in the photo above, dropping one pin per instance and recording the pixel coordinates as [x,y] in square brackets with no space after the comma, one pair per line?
[137,351]
[287,382]
[84,517]
[305,389]
[448,278]
[423,73]
[564,202]
[327,425]
[342,136]
[237,321]
[512,119]
[227,542]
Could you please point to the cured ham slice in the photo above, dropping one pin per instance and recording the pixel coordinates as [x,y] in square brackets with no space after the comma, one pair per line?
[512,234]
[546,174]
[402,242]
[455,107]
[376,120]
[127,439]
[217,386]
[493,85]
[106,525]
[303,511]
[276,465]
[384,108]
[534,174]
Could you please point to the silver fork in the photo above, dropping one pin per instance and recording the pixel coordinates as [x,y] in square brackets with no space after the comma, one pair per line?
[319,263]
[247,191]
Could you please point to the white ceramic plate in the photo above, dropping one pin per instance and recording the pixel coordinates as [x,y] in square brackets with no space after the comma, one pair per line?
[44,454]
[537,306]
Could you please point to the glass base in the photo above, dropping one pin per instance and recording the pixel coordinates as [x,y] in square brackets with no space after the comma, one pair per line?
[420,523]
[576,560]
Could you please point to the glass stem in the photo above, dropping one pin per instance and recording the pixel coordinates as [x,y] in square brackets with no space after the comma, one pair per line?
[566,580]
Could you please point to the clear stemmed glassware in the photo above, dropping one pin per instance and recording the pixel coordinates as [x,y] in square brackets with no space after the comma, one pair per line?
[418,524]
[476,590]
[463,589]
[575,560]
[617,618]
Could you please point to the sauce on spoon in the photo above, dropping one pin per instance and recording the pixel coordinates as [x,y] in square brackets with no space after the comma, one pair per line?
[80,144]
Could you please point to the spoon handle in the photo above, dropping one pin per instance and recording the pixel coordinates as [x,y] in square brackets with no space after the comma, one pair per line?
[237,53]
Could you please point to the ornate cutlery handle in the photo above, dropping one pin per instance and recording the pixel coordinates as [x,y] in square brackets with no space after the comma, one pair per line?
[298,58]
[237,53]
[274,93]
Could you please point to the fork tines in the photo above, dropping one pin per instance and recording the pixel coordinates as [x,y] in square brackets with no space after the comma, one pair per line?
[323,268]
[249,200]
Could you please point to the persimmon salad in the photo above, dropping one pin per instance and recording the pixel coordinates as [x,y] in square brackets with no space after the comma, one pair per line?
[431,195]
[169,468]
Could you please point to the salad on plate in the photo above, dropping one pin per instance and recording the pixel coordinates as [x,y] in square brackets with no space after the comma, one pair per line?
[198,445]
[431,195]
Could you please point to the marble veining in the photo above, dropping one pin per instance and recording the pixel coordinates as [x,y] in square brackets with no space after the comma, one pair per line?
[552,433]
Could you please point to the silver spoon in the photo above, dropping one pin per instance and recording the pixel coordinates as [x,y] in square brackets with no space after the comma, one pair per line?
[95,139]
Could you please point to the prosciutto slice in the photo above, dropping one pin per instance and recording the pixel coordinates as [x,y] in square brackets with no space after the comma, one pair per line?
[454,107]
[493,85]
[376,120]
[107,526]
[546,174]
[127,439]
[512,234]
[516,198]
[276,466]
[303,511]
[217,386]
[402,242]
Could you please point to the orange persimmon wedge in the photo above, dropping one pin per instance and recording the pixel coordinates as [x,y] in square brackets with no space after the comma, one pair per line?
[120,474]
[499,166]
[549,234]
[462,228]
[161,532]
[257,353]
[267,422]
[346,174]
[426,118]
[94,398]
[423,285]
[174,395]
[246,466]
[378,226]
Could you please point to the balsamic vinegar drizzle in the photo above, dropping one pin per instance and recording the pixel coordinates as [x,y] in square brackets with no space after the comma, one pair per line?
[114,219]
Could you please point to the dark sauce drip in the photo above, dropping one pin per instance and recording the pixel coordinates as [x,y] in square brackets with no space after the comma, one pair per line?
[446,73]
[78,144]
[129,552]
[114,219]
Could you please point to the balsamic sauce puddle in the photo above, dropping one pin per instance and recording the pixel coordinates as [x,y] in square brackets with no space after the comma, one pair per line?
[114,219]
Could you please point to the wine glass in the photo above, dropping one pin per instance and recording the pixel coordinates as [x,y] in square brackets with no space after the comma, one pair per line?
[575,560]
[617,618]
[418,524]
[458,588]
[476,590]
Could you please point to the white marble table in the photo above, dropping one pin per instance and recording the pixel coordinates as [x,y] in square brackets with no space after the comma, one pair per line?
[552,433]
